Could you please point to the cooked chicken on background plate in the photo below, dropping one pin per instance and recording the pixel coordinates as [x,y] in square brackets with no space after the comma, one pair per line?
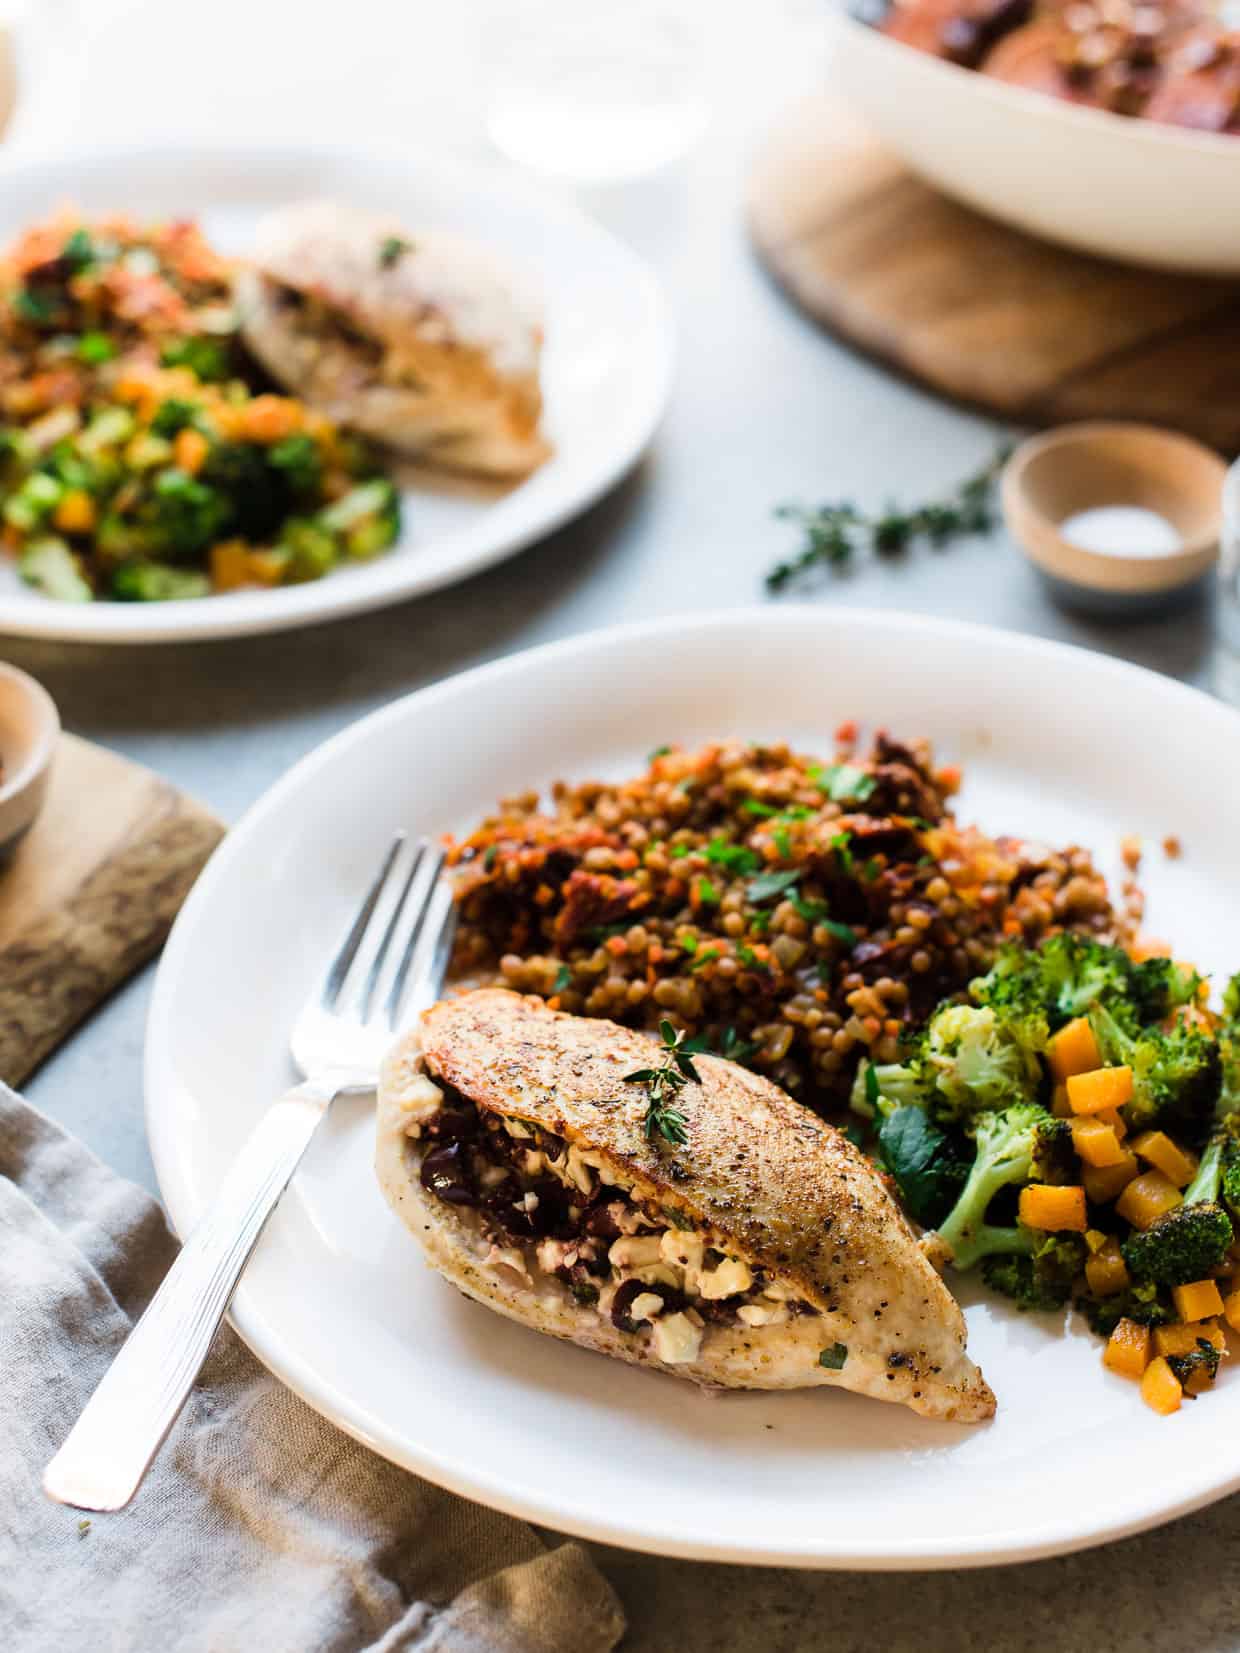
[416,337]
[751,1247]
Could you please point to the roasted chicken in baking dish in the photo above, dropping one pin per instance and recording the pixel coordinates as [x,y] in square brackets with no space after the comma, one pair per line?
[735,1239]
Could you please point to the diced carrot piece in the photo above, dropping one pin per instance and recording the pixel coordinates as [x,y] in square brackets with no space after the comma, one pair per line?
[1060,1106]
[1096,1143]
[1128,1349]
[1115,1119]
[1105,1183]
[75,514]
[1198,1300]
[1148,1197]
[1106,1271]
[1160,1388]
[270,419]
[190,449]
[1175,1163]
[1103,1088]
[1231,1310]
[229,563]
[1042,1205]
[1073,1050]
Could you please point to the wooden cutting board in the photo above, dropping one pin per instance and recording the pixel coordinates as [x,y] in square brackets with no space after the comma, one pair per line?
[980,312]
[90,894]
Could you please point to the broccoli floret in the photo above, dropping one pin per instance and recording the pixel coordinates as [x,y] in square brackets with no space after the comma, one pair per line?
[207,359]
[1007,1144]
[1186,1244]
[972,1064]
[1231,998]
[297,458]
[1042,1281]
[1176,1076]
[1055,1157]
[1062,978]
[257,496]
[1145,1303]
[154,582]
[1160,986]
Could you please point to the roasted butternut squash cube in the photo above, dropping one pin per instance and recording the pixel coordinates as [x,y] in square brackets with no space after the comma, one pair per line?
[1105,1183]
[1128,1349]
[1198,1300]
[1095,1142]
[1103,1088]
[1043,1205]
[1148,1197]
[1231,1310]
[1106,1271]
[1073,1050]
[1157,1149]
[1160,1388]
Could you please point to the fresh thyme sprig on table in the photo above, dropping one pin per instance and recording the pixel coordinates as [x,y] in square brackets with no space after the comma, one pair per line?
[834,534]
[664,1085]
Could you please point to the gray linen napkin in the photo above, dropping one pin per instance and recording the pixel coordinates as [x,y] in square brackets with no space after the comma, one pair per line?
[261,1528]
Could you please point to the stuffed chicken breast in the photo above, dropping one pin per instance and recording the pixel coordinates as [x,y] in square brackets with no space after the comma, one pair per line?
[761,1251]
[422,340]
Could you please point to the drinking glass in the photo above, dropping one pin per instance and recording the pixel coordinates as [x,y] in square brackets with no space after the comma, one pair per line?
[592,91]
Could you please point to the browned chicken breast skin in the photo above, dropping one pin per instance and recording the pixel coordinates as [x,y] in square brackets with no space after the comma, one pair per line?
[759,1177]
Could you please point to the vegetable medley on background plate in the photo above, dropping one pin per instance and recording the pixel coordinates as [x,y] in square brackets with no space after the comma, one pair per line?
[1053,1106]
[143,454]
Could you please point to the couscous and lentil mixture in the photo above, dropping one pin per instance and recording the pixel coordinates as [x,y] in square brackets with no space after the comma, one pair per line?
[796,913]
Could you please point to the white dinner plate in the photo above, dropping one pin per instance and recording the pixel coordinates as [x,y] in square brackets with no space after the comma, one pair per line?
[338,1301]
[606,367]
[1135,190]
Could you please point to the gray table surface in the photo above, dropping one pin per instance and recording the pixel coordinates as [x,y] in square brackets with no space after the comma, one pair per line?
[765,408]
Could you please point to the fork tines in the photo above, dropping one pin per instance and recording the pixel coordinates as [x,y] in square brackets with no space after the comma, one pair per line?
[392,932]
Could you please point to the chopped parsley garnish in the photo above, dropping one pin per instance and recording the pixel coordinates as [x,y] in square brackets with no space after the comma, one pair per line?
[707,894]
[563,979]
[871,869]
[843,782]
[840,844]
[687,944]
[489,856]
[708,957]
[770,884]
[783,843]
[84,1526]
[813,912]
[664,1085]
[78,251]
[93,348]
[659,752]
[679,851]
[34,307]
[834,1357]
[733,1048]
[841,932]
[735,857]
[392,249]
[755,806]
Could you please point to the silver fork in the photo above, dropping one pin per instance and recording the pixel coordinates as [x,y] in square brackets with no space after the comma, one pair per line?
[337,1042]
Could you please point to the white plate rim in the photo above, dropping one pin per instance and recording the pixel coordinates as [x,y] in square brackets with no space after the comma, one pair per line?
[652,1534]
[388,580]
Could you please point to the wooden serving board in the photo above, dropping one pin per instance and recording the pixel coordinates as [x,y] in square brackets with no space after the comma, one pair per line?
[980,312]
[90,894]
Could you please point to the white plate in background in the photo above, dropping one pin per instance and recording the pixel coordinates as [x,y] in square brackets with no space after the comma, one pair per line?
[1134,190]
[606,367]
[1055,743]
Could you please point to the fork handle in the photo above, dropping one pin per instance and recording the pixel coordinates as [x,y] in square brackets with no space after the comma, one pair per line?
[123,1425]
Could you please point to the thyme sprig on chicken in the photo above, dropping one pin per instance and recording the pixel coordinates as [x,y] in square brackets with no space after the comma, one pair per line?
[835,534]
[665,1083]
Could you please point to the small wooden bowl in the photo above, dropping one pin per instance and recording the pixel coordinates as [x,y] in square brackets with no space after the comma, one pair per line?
[29,727]
[1079,467]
